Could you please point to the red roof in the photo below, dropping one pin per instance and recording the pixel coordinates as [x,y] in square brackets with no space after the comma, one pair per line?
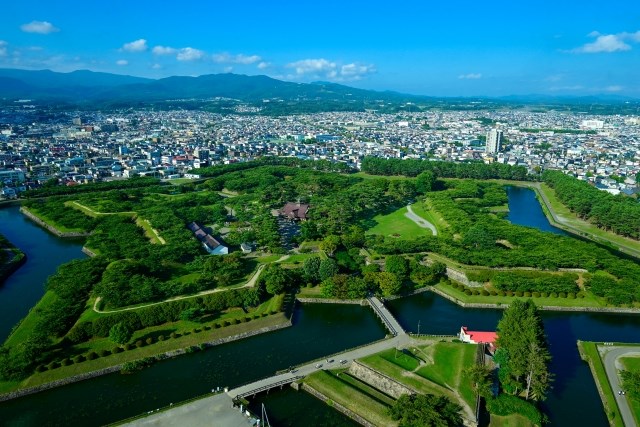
[481,337]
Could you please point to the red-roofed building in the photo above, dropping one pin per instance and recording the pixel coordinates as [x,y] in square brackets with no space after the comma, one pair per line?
[479,337]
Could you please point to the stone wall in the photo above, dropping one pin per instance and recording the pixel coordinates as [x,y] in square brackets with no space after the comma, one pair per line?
[378,380]
[51,228]
[117,368]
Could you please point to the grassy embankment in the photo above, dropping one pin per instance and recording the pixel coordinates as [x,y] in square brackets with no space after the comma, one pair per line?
[633,364]
[434,368]
[590,354]
[186,334]
[61,228]
[395,224]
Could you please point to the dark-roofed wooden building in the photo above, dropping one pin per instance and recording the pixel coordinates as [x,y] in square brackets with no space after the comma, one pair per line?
[295,211]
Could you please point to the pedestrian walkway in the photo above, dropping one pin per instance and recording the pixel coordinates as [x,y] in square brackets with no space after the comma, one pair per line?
[385,315]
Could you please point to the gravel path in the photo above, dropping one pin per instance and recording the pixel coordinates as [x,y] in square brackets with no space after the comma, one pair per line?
[420,221]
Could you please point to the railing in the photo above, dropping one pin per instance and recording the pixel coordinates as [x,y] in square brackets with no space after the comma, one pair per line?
[267,387]
[383,317]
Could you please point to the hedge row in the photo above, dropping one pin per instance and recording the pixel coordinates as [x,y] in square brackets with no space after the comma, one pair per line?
[484,292]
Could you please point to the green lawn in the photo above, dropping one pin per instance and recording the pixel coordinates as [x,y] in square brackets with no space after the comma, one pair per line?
[397,225]
[425,210]
[633,364]
[589,300]
[25,329]
[389,177]
[50,222]
[589,352]
[351,397]
[513,420]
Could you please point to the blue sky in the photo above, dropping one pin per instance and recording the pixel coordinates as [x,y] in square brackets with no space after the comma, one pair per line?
[460,48]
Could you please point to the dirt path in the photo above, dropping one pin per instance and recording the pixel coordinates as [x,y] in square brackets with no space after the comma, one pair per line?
[420,221]
[250,283]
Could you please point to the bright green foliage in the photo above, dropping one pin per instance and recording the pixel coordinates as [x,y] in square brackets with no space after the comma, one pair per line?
[631,381]
[506,405]
[120,333]
[276,279]
[397,265]
[328,268]
[425,410]
[522,353]
[330,244]
[311,268]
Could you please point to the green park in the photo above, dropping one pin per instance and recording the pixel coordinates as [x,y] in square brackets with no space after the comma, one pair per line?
[152,287]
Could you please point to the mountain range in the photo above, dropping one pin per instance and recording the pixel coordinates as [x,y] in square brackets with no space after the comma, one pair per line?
[85,86]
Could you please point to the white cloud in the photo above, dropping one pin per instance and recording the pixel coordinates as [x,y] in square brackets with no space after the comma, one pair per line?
[236,59]
[156,66]
[189,54]
[163,50]
[3,48]
[263,65]
[228,69]
[324,69]
[122,62]
[470,76]
[39,27]
[566,88]
[613,88]
[139,45]
[608,42]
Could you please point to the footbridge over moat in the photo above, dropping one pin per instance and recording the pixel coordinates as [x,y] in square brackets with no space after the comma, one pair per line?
[385,315]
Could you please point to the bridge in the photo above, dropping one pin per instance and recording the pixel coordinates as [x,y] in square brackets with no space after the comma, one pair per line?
[385,315]
[265,384]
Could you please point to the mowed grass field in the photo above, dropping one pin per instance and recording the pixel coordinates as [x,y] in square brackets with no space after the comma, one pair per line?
[397,225]
[633,364]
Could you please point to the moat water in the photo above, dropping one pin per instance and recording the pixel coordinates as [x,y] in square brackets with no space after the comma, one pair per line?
[318,330]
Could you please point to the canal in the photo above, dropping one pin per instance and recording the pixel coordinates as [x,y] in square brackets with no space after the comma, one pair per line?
[318,330]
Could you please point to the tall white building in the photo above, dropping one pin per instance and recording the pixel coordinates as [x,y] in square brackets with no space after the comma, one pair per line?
[494,141]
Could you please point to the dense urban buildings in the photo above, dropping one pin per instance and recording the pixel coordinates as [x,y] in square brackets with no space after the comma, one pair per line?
[81,147]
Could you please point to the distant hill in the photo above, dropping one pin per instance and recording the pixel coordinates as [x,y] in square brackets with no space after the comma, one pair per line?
[91,86]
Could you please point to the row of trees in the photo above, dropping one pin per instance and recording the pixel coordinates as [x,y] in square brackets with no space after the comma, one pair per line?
[619,214]
[58,190]
[441,169]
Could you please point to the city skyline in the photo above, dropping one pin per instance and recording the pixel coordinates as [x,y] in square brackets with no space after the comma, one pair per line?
[439,50]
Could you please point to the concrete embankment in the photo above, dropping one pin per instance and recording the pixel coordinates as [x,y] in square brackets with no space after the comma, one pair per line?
[26,212]
[338,407]
[117,368]
[614,310]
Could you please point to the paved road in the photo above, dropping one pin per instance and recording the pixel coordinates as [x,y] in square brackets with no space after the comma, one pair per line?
[334,363]
[420,221]
[210,411]
[612,365]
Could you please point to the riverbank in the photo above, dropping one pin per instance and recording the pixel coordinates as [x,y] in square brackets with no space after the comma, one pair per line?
[458,299]
[35,218]
[562,218]
[12,258]
[161,350]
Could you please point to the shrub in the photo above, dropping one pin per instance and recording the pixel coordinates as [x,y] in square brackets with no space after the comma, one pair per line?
[53,365]
[571,295]
[149,340]
[535,294]
[501,293]
[104,353]
[116,350]
[544,294]
[216,325]
[227,323]
[553,295]
[139,343]
[468,292]
[206,328]
[506,404]
[581,295]
[484,293]
[41,368]
[248,318]
[92,355]
[518,293]
[509,293]
[527,294]
[78,359]
[173,335]
[493,293]
[128,346]
[562,295]
[161,338]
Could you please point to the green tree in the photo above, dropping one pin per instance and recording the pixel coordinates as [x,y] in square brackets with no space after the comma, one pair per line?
[425,182]
[480,378]
[120,333]
[328,268]
[389,283]
[397,265]
[522,352]
[425,410]
[330,244]
[276,279]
